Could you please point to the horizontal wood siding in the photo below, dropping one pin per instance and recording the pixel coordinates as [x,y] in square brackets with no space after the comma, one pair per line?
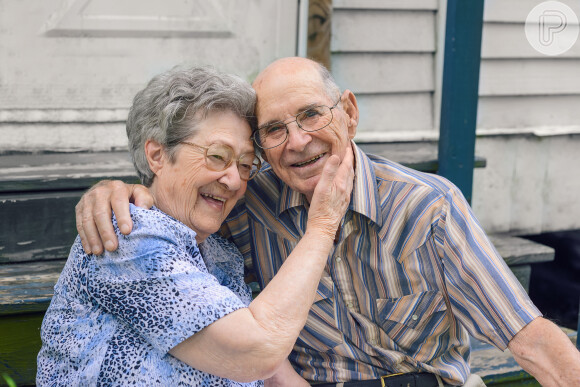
[508,41]
[395,112]
[384,73]
[382,31]
[384,53]
[382,4]
[517,10]
[530,77]
[528,111]
[520,87]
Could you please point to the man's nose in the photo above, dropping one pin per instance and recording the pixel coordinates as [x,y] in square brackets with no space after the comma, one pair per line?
[297,138]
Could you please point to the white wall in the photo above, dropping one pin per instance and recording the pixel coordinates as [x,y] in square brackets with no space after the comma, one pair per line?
[528,128]
[384,51]
[70,68]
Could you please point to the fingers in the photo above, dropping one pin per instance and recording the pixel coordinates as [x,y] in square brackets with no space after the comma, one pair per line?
[101,215]
[345,172]
[141,196]
[332,194]
[85,219]
[79,210]
[329,171]
[94,212]
[120,195]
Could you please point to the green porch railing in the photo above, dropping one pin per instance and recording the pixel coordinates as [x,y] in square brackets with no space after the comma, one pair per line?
[459,94]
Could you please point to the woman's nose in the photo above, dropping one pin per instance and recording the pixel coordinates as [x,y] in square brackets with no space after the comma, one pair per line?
[231,177]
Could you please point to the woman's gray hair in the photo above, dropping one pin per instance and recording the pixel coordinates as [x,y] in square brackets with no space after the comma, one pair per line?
[171,106]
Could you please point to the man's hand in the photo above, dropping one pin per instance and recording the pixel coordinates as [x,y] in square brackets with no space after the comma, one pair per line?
[286,376]
[93,213]
[544,351]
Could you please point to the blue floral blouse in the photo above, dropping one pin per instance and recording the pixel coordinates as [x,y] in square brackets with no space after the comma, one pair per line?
[113,318]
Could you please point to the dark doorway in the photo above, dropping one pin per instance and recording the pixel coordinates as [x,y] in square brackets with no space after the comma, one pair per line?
[555,286]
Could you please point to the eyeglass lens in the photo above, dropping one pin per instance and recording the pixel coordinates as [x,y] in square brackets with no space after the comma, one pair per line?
[310,120]
[219,157]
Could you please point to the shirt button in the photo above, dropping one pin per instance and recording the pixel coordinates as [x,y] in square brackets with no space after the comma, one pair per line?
[338,259]
[349,304]
[372,342]
[414,317]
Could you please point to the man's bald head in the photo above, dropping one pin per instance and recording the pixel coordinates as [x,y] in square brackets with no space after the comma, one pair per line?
[297,67]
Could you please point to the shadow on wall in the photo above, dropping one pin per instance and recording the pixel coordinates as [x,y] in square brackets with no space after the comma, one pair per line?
[555,286]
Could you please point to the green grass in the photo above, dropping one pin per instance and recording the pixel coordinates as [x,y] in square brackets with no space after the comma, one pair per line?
[8,380]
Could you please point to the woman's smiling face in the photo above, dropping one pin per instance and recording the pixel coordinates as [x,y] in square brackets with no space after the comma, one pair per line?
[190,192]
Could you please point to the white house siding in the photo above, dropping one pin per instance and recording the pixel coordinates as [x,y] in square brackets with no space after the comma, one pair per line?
[528,127]
[69,69]
[388,53]
[384,51]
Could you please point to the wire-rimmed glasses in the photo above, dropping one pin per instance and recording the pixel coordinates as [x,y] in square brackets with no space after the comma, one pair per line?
[312,119]
[219,157]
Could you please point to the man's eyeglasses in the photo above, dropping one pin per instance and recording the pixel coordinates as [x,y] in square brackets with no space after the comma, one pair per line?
[219,157]
[310,120]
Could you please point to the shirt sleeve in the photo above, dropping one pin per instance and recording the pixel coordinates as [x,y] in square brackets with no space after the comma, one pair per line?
[224,261]
[158,288]
[485,295]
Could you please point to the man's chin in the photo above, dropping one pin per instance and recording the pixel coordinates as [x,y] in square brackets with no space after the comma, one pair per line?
[306,187]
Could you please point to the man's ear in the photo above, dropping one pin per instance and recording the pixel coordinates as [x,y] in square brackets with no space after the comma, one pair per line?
[155,153]
[350,107]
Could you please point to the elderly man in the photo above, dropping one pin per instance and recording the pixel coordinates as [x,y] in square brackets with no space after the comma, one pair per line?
[411,274]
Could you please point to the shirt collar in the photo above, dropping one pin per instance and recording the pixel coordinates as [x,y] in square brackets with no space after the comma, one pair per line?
[365,194]
[364,199]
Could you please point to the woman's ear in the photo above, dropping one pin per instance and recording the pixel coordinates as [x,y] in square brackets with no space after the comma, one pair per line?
[155,153]
[350,107]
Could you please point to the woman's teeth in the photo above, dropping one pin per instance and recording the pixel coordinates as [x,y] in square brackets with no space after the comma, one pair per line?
[309,161]
[214,197]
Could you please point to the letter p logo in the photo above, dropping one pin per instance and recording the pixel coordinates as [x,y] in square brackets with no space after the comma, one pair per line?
[551,22]
[552,28]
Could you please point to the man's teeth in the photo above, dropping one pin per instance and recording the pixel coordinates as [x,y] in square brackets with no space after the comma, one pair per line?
[309,161]
[214,197]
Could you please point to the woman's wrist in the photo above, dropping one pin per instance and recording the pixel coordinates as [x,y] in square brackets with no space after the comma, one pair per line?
[322,237]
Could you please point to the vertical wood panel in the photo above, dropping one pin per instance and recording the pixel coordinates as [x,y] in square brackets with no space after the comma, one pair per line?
[319,31]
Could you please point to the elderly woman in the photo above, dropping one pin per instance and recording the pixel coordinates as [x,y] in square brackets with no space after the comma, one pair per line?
[170,306]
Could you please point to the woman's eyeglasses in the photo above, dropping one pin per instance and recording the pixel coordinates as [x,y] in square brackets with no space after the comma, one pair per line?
[219,157]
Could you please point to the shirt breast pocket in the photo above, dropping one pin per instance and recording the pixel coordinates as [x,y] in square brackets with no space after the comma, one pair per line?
[405,318]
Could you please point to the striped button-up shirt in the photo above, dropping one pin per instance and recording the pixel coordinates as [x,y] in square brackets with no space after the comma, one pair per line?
[381,305]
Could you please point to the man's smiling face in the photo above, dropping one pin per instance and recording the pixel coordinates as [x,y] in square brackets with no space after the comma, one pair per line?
[284,89]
